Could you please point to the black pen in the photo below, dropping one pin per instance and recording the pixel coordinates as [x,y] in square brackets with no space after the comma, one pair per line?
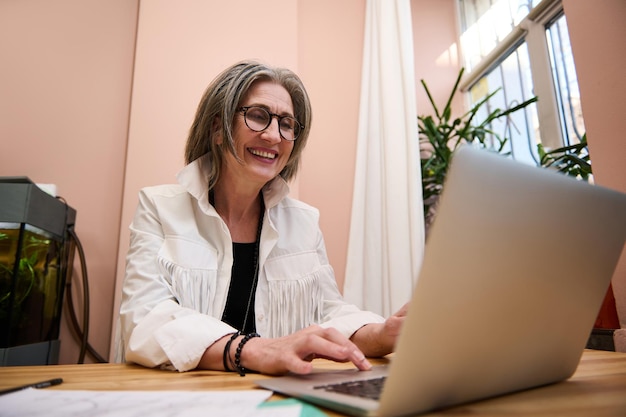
[42,384]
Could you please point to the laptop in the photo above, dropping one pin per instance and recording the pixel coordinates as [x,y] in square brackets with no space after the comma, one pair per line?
[515,269]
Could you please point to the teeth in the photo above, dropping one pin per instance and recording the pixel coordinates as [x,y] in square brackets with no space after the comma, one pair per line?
[263,154]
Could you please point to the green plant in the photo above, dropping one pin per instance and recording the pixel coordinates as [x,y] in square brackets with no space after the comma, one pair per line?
[25,271]
[572,160]
[440,135]
[27,290]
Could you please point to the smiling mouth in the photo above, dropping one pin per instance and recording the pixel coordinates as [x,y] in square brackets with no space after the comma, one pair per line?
[262,154]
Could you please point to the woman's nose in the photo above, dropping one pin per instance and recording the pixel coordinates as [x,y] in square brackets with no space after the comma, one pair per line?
[272,132]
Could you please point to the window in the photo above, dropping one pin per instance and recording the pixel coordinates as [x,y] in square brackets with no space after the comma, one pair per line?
[522,48]
[566,84]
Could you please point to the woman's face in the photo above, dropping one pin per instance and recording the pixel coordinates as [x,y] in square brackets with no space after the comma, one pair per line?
[264,154]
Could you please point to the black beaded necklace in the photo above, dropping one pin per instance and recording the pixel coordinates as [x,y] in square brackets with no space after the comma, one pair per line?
[255,260]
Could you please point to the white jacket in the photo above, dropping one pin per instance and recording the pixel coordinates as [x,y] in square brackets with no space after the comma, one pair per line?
[178,272]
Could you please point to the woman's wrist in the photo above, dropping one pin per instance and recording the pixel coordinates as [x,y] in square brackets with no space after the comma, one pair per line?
[371,340]
[238,355]
[227,360]
[239,352]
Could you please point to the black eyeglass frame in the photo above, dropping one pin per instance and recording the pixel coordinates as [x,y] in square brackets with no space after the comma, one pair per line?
[244,110]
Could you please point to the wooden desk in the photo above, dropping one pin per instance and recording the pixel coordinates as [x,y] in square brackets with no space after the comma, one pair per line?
[598,388]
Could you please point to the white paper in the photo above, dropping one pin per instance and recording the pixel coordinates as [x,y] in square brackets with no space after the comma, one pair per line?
[65,403]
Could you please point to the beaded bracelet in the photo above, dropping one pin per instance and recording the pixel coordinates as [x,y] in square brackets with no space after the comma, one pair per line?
[226,357]
[241,369]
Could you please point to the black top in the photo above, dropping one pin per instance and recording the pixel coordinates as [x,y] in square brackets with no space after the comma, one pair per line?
[241,286]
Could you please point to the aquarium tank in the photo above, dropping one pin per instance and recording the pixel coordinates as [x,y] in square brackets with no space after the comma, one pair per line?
[36,254]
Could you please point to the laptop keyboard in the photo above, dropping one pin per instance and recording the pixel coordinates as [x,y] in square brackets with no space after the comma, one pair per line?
[367,388]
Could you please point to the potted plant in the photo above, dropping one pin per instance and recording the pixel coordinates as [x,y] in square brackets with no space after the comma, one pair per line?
[440,134]
[572,160]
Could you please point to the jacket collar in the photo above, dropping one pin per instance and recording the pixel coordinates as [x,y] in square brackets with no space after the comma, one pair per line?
[194,179]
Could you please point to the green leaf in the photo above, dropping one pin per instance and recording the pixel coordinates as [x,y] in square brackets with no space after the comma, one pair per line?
[441,135]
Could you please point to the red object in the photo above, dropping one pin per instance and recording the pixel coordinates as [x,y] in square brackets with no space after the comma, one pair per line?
[607,318]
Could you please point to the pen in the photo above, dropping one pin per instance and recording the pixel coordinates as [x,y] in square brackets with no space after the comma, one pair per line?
[42,384]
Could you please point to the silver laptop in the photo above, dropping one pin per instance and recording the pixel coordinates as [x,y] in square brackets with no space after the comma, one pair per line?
[515,270]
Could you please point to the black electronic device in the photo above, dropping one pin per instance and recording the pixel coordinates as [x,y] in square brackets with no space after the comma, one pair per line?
[36,254]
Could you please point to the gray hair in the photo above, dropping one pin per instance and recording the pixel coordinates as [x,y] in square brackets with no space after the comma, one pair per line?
[221,101]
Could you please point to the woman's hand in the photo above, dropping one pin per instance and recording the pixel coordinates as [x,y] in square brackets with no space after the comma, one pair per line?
[379,339]
[393,325]
[294,353]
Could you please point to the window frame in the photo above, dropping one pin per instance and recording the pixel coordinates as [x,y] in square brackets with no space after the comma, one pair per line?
[532,31]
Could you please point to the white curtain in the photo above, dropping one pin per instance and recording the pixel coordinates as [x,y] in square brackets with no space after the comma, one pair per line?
[387,228]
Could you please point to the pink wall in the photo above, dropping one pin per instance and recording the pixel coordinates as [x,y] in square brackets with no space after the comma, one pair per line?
[65,82]
[597,33]
[330,65]
[437,59]
[66,114]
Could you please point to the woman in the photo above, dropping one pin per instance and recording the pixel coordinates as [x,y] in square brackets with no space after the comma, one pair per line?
[226,256]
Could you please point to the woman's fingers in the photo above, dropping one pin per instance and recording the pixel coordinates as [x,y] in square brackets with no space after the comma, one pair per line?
[331,344]
[393,324]
[403,310]
[295,352]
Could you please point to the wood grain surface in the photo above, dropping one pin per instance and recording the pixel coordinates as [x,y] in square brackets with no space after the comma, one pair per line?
[598,388]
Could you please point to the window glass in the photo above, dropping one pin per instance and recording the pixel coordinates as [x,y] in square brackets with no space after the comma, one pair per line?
[485,23]
[523,52]
[565,81]
[512,78]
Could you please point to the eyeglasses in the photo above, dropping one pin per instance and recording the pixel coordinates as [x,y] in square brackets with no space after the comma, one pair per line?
[259,119]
